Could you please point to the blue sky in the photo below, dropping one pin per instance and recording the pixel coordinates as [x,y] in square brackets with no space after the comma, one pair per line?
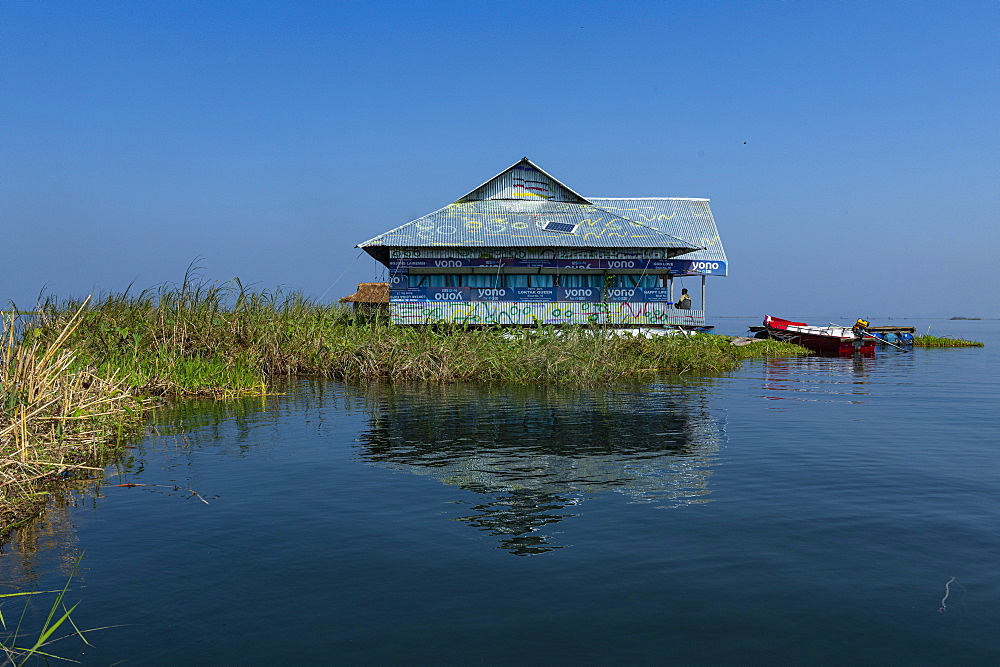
[850,149]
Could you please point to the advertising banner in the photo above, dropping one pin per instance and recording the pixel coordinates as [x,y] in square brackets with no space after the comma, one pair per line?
[431,294]
[637,295]
[653,266]
[427,263]
[511,262]
[528,294]
[587,294]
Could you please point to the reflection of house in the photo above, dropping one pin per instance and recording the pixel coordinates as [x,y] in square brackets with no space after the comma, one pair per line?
[525,249]
[536,455]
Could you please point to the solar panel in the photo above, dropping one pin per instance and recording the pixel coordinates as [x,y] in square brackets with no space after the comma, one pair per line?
[552,226]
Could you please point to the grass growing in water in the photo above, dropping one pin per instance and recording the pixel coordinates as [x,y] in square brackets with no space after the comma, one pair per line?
[195,338]
[938,341]
[56,414]
[58,615]
[76,376]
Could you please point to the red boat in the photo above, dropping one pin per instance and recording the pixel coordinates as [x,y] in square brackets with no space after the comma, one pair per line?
[827,340]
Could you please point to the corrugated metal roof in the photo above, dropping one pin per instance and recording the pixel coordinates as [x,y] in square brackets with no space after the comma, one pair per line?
[519,223]
[524,180]
[687,219]
[523,206]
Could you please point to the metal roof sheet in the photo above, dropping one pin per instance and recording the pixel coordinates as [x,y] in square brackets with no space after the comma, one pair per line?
[687,219]
[520,223]
[524,180]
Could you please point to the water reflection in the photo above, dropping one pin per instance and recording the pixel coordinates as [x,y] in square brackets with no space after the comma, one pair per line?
[818,378]
[532,455]
[538,453]
[52,534]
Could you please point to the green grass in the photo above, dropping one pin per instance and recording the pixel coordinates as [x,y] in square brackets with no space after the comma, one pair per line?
[199,339]
[77,376]
[19,646]
[57,416]
[938,341]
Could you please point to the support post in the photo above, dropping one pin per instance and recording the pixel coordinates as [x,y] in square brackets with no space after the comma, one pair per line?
[703,292]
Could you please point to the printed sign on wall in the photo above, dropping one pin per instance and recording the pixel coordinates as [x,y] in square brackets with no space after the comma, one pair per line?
[525,294]
[652,266]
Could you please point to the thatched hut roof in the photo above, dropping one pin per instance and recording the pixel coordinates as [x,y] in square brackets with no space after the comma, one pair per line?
[369,293]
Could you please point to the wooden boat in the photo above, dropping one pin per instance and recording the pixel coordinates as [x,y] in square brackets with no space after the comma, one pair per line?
[826,340]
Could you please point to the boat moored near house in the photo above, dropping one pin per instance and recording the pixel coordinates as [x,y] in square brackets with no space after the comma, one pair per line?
[831,339]
[524,249]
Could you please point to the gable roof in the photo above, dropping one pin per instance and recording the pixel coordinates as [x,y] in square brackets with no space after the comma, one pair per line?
[524,181]
[508,223]
[523,206]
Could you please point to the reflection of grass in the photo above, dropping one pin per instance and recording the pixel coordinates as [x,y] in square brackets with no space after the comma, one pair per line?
[58,616]
[76,376]
[938,341]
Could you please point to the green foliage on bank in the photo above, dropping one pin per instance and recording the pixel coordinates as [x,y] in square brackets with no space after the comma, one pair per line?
[77,376]
[195,339]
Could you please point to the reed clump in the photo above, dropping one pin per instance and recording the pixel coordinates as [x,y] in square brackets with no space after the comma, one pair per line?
[77,376]
[57,415]
[218,340]
[940,341]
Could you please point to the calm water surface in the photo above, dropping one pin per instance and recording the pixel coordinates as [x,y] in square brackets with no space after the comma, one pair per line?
[798,510]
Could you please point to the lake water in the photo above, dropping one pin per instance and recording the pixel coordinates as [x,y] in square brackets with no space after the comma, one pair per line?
[806,510]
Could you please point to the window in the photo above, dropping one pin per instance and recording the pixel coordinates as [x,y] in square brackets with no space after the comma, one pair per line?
[529,280]
[456,280]
[581,280]
[481,280]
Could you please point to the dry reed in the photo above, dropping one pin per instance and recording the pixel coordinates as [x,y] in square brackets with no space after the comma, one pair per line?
[74,374]
[56,417]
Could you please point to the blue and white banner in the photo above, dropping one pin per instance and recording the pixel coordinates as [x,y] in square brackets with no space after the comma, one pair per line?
[529,294]
[651,266]
[637,294]
[431,294]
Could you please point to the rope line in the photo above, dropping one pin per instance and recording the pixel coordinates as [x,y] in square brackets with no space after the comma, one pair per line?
[340,276]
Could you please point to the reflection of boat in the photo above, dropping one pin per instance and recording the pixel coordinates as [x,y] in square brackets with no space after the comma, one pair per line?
[828,340]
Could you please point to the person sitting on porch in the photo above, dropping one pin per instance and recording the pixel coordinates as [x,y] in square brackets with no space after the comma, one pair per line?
[684,301]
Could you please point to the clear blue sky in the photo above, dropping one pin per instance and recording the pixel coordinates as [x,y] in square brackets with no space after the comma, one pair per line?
[850,149]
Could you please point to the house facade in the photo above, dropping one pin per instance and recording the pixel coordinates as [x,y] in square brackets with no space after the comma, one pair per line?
[524,249]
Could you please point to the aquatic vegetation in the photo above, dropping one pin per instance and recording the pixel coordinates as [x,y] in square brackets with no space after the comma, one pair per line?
[58,615]
[942,341]
[219,340]
[57,415]
[77,376]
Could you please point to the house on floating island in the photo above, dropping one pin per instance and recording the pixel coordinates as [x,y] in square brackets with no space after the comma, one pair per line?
[524,249]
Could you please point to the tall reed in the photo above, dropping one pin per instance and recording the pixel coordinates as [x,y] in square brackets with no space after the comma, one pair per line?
[218,339]
[77,375]
[56,414]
